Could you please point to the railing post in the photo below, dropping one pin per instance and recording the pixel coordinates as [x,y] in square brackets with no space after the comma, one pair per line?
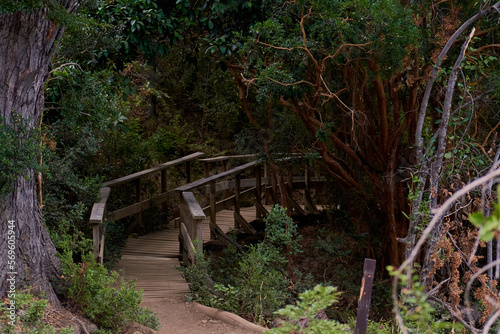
[365,296]
[267,194]
[258,190]
[206,169]
[188,172]
[224,167]
[274,191]
[308,200]
[96,219]
[164,187]
[237,192]
[213,220]
[138,216]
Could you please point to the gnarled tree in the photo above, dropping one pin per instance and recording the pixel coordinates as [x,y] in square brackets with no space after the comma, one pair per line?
[29,37]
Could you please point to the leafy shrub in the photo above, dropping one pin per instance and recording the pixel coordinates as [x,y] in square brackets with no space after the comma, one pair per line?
[31,319]
[302,317]
[255,282]
[105,298]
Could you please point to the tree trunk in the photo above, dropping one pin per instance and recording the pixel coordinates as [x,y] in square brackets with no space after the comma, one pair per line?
[28,41]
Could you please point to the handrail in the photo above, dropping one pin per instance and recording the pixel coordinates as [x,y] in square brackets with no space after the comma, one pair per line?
[228,157]
[158,168]
[207,180]
[97,216]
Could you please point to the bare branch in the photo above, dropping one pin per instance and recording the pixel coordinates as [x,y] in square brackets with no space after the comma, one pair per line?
[455,315]
[435,70]
[441,211]
[274,46]
[64,65]
[291,84]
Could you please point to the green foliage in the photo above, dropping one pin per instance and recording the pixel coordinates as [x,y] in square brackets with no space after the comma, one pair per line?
[104,297]
[197,276]
[19,152]
[253,282]
[30,313]
[487,225]
[375,327]
[261,284]
[302,317]
[12,6]
[144,25]
[418,314]
[281,230]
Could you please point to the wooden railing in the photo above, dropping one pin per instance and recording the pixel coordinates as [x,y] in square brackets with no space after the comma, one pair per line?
[99,215]
[234,189]
[224,190]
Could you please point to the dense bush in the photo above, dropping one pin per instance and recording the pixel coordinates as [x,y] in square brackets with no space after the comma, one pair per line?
[256,282]
[104,297]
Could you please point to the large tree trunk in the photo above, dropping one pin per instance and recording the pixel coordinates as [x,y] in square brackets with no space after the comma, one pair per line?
[27,41]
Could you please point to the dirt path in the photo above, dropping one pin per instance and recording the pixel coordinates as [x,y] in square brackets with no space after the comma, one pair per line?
[179,317]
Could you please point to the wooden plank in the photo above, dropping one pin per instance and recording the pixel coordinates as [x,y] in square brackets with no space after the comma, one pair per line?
[193,205]
[158,168]
[208,180]
[365,296]
[141,206]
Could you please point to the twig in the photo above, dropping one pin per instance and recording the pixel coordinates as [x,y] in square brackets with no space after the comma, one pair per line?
[455,315]
[64,65]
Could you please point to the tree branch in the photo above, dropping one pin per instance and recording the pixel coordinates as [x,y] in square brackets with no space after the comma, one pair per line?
[435,70]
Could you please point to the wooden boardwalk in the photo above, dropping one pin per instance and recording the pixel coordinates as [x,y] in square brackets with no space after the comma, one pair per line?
[152,259]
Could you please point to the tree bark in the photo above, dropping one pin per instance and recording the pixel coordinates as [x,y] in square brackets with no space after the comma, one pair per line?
[28,43]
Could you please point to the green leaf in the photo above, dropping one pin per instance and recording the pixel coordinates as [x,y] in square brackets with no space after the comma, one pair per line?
[476,218]
[487,235]
[210,25]
[447,155]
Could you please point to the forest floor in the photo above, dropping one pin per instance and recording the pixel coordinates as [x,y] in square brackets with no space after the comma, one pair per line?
[179,317]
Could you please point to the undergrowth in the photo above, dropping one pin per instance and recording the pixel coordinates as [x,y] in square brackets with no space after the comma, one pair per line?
[105,298]
[25,314]
[256,282]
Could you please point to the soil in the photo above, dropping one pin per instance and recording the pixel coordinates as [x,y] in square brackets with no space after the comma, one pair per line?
[175,315]
[179,317]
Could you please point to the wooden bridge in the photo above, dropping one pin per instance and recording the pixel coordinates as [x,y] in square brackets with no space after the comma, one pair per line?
[152,259]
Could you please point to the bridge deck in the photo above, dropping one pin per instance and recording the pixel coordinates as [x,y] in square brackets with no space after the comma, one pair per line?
[152,259]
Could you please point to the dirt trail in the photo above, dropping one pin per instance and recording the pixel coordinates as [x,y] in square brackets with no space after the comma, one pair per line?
[179,317]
